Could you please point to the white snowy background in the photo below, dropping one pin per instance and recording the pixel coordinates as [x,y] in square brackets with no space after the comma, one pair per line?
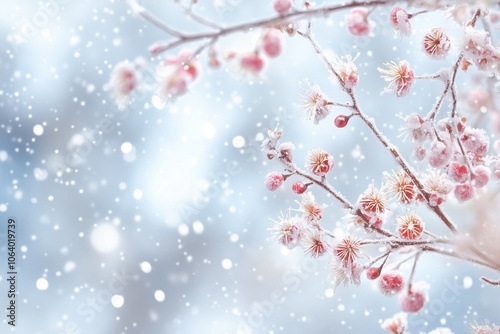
[110,246]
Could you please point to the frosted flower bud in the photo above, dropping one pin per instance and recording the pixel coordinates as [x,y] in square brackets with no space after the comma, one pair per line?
[319,162]
[252,63]
[400,77]
[124,79]
[436,44]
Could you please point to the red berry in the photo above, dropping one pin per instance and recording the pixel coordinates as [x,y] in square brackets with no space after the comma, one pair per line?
[412,302]
[299,187]
[372,273]
[274,180]
[391,283]
[341,121]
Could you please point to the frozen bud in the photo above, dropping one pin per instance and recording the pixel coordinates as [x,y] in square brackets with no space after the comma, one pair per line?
[410,226]
[357,22]
[464,192]
[373,273]
[391,283]
[312,211]
[319,162]
[282,6]
[252,63]
[299,187]
[124,79]
[274,180]
[436,44]
[400,21]
[288,230]
[315,104]
[440,153]
[286,151]
[347,70]
[457,172]
[271,43]
[481,176]
[413,300]
[184,62]
[400,77]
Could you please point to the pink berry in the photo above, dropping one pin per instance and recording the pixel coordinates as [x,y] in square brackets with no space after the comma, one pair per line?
[357,22]
[274,180]
[440,153]
[412,301]
[271,43]
[282,6]
[391,283]
[341,121]
[373,273]
[481,176]
[299,187]
[464,192]
[252,63]
[457,172]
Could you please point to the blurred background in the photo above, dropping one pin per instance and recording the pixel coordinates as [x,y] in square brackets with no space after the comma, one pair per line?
[161,225]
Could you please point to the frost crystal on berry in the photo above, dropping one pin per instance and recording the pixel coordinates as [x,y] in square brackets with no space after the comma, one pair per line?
[391,283]
[412,300]
[481,176]
[288,230]
[274,180]
[400,186]
[311,210]
[319,162]
[400,21]
[440,153]
[410,226]
[400,77]
[373,201]
[315,104]
[348,250]
[464,192]
[314,245]
[438,186]
[357,22]
[436,44]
